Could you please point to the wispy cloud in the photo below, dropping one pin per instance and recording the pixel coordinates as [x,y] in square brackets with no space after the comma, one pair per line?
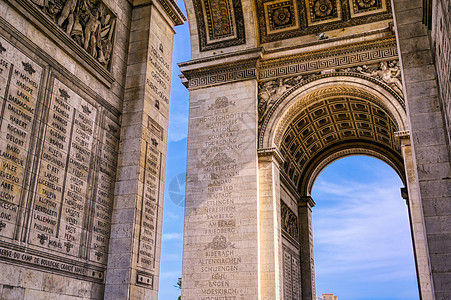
[172,236]
[178,124]
[362,237]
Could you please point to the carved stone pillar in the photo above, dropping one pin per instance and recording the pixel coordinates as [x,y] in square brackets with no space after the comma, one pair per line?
[416,220]
[134,258]
[306,242]
[425,85]
[270,224]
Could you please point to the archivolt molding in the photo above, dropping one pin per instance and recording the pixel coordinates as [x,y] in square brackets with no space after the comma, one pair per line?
[345,153]
[277,113]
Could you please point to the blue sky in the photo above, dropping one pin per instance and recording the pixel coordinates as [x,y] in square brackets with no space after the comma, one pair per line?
[361,232]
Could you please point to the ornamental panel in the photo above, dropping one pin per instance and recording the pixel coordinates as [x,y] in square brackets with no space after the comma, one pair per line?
[294,18]
[220,23]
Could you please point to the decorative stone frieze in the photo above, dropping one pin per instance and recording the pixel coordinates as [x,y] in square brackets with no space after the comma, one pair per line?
[242,70]
[339,56]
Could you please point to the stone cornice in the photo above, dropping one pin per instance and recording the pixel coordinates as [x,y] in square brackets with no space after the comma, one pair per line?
[201,76]
[170,7]
[339,56]
[219,57]
[250,64]
[307,201]
[271,152]
[173,11]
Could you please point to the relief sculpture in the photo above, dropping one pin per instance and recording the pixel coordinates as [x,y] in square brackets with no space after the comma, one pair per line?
[89,22]
[289,221]
[386,72]
[271,91]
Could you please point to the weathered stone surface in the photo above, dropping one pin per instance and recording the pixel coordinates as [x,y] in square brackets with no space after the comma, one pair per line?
[63,73]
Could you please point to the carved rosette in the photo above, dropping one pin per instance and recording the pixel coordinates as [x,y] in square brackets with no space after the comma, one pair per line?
[280,15]
[284,19]
[89,23]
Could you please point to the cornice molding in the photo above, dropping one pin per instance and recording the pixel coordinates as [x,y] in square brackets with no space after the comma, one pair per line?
[339,56]
[173,11]
[271,152]
[250,64]
[220,74]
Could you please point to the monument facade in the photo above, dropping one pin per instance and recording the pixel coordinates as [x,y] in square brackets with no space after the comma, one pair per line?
[84,105]
[279,90]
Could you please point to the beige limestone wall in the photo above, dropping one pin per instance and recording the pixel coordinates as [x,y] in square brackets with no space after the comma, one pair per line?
[134,262]
[271,264]
[69,260]
[221,251]
[429,138]
[441,47]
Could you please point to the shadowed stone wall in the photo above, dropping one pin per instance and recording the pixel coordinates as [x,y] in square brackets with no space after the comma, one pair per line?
[425,63]
[76,208]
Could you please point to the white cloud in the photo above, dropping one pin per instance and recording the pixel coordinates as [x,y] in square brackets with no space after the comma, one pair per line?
[178,125]
[172,236]
[361,236]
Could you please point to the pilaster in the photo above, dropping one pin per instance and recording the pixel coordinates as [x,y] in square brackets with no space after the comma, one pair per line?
[430,144]
[271,259]
[134,256]
[413,200]
[306,241]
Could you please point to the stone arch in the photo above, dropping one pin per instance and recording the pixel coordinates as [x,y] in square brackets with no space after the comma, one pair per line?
[346,153]
[332,116]
[363,104]
[285,108]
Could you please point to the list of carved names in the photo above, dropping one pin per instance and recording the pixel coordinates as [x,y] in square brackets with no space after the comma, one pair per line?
[62,190]
[221,259]
[19,89]
[72,199]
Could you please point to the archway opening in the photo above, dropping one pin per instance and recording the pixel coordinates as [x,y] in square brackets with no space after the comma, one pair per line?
[362,240]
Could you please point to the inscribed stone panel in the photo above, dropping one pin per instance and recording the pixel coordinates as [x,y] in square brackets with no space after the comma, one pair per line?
[20,82]
[59,211]
[291,274]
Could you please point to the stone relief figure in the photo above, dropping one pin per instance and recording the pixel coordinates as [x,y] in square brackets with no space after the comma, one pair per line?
[88,22]
[387,72]
[68,14]
[289,221]
[270,91]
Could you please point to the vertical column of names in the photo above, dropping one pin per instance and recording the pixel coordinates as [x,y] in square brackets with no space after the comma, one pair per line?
[50,185]
[76,194]
[146,255]
[103,203]
[62,192]
[221,261]
[19,89]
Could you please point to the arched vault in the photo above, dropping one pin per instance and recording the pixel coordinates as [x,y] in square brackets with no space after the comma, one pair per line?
[330,117]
